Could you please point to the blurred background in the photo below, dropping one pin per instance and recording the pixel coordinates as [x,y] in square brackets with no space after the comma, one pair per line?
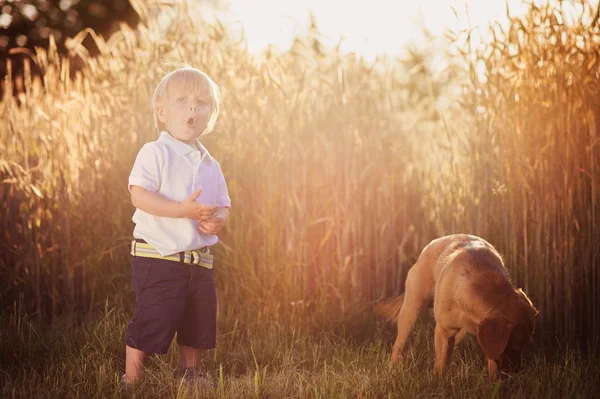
[350,136]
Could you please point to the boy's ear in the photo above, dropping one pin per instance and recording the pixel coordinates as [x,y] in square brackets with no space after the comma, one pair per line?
[162,115]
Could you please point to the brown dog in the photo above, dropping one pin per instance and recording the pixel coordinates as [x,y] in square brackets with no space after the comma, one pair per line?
[465,279]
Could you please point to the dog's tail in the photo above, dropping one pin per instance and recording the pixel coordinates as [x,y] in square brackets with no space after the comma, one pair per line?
[389,309]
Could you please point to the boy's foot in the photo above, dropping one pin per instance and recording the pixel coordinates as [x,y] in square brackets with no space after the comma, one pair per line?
[194,376]
[123,383]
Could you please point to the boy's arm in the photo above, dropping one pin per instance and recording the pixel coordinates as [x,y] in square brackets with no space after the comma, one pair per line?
[216,223]
[157,205]
[222,212]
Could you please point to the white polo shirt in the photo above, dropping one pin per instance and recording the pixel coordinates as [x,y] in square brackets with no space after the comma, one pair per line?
[175,170]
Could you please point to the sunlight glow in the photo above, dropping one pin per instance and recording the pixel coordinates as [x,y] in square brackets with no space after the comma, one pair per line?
[367,27]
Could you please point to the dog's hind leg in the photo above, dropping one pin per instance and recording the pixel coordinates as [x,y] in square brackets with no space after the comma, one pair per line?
[407,318]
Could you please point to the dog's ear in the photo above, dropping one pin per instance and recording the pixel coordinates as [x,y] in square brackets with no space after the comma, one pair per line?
[492,335]
[527,301]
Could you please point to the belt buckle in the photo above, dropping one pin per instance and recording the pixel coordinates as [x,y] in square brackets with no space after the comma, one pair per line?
[195,257]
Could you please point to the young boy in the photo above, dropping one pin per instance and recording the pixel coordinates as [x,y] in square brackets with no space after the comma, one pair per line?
[182,203]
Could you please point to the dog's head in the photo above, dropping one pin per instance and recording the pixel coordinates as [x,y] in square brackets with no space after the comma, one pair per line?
[521,334]
[504,340]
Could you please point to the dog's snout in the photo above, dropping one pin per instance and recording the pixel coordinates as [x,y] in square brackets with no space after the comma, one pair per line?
[514,360]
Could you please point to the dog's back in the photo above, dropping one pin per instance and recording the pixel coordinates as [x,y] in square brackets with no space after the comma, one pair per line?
[471,280]
[422,276]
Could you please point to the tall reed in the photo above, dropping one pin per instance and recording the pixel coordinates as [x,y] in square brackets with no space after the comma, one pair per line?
[533,167]
[339,170]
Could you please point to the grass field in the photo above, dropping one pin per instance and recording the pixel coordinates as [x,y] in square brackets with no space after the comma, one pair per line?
[336,357]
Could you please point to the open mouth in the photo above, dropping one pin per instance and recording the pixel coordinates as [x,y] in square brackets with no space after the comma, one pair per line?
[191,122]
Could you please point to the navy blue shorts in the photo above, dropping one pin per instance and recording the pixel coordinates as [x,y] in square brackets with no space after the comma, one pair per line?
[172,297]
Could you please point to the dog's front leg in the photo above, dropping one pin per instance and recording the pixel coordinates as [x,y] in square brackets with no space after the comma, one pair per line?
[459,336]
[494,367]
[444,345]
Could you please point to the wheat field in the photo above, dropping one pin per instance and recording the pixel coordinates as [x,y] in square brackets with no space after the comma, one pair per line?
[339,171]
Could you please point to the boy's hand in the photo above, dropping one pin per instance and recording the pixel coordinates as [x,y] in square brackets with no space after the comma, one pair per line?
[212,225]
[189,208]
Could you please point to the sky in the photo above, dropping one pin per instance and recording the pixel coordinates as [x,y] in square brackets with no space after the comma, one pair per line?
[367,27]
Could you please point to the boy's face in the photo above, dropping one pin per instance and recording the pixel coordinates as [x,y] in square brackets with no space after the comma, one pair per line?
[185,114]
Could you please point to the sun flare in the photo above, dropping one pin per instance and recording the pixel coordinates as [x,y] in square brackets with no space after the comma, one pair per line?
[367,28]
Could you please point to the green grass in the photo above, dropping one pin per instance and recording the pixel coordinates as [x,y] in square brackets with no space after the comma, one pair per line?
[346,356]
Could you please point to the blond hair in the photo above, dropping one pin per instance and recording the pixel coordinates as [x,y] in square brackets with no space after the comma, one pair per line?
[186,79]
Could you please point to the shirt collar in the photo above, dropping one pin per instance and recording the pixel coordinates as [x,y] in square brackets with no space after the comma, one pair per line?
[179,147]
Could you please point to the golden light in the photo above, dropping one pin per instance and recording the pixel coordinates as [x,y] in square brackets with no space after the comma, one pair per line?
[367,28]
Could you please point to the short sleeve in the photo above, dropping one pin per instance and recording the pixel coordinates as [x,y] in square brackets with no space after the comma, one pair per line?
[222,191]
[146,169]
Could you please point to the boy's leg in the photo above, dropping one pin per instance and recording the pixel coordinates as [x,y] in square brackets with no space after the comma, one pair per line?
[197,330]
[134,364]
[159,287]
[189,358]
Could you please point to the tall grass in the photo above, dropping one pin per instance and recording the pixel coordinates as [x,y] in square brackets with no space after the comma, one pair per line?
[339,170]
[534,158]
